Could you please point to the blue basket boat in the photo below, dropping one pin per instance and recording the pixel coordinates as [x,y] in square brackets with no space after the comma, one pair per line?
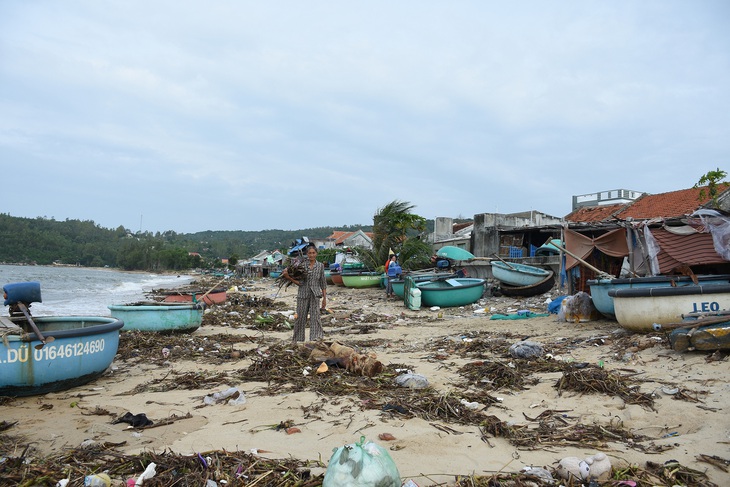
[159,317]
[77,350]
[451,292]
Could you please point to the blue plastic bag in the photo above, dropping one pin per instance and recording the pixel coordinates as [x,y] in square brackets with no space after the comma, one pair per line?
[554,306]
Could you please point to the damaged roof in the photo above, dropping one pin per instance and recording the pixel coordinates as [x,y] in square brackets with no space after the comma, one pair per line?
[673,204]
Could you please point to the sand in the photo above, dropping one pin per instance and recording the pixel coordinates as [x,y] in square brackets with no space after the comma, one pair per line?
[681,425]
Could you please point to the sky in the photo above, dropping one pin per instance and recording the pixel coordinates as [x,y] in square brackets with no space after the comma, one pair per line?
[190,115]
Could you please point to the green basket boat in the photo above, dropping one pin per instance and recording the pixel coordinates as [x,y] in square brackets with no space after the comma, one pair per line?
[361,279]
[449,293]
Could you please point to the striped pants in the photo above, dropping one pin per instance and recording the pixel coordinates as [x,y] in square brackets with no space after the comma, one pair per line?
[308,305]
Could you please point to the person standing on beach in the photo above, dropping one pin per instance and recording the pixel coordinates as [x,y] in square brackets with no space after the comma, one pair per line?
[391,272]
[312,287]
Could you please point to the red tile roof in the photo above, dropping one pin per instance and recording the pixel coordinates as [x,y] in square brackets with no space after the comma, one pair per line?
[673,204]
[667,205]
[588,214]
[339,236]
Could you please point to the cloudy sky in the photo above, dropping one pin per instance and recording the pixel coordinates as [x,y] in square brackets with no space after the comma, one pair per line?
[192,115]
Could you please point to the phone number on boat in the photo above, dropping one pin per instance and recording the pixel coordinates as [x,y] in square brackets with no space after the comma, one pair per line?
[53,352]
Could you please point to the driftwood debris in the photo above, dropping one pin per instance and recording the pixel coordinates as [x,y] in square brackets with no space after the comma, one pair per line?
[348,358]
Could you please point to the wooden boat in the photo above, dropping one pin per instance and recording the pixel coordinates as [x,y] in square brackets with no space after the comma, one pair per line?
[159,317]
[82,349]
[361,279]
[515,274]
[639,309]
[454,253]
[451,292]
[604,303]
[704,332]
[51,353]
[526,291]
[216,296]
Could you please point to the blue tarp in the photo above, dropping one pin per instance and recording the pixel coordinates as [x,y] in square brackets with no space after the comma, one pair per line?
[297,248]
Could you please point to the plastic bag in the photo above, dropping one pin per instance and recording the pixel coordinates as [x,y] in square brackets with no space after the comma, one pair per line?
[361,465]
[578,308]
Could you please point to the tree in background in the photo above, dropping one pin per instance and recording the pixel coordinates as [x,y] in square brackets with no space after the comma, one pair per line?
[712,180]
[392,225]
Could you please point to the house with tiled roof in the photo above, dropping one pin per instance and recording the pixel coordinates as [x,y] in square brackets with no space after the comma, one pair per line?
[669,205]
[666,233]
[358,238]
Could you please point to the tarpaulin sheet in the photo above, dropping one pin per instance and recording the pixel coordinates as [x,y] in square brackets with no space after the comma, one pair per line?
[675,250]
[612,243]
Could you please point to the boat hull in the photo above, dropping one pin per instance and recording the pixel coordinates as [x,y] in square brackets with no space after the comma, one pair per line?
[336,278]
[520,275]
[361,279]
[82,350]
[454,253]
[708,337]
[604,303]
[213,297]
[165,318]
[638,309]
[449,293]
[399,283]
[527,291]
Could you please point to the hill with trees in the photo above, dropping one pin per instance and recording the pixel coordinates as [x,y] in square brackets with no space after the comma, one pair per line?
[45,241]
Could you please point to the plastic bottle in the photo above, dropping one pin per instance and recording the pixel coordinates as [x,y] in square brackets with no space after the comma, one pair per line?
[98,480]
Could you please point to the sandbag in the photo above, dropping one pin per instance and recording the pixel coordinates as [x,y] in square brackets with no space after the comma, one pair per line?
[361,465]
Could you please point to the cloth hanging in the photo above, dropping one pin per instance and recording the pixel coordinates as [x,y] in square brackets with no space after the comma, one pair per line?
[719,227]
[612,243]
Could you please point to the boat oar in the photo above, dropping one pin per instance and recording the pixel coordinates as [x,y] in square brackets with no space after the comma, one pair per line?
[38,333]
[713,320]
[211,289]
[504,262]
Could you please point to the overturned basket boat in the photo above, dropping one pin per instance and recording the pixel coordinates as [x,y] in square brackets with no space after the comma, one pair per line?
[527,291]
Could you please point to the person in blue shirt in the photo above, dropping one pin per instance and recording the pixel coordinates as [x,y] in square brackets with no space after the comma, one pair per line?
[392,270]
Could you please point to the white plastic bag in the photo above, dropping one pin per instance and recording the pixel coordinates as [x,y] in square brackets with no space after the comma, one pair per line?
[361,465]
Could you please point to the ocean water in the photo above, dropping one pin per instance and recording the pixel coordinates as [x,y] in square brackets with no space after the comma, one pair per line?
[80,291]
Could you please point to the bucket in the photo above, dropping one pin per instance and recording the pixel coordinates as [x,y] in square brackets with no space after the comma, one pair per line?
[22,292]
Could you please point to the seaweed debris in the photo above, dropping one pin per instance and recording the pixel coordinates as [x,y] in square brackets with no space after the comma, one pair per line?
[235,468]
[594,379]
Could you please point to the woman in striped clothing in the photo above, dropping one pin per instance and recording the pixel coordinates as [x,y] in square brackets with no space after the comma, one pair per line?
[312,287]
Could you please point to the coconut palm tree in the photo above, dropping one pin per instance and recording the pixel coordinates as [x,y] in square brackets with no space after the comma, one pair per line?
[392,224]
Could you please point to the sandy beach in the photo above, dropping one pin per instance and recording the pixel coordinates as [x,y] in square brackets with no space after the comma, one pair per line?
[485,412]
